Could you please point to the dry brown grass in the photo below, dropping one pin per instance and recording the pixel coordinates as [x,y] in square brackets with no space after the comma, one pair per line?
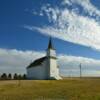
[69,89]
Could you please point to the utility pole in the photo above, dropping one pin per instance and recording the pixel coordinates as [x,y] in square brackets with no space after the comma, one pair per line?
[80,66]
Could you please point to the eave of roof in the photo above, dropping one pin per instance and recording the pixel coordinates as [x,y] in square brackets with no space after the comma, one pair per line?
[37,62]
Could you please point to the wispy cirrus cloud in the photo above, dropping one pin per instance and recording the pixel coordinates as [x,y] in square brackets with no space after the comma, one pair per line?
[71,26]
[86,5]
[16,61]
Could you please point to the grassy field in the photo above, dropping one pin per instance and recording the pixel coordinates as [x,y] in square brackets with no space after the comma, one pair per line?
[69,89]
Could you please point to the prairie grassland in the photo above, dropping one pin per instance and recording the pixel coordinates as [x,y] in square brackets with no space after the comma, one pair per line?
[69,89]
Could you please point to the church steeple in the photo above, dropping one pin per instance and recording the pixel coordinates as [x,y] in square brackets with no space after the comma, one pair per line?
[51,52]
[50,46]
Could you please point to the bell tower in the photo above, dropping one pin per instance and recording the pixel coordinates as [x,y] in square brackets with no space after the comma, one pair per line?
[51,52]
[52,61]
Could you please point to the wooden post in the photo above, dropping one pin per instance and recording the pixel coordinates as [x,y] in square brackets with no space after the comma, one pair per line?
[80,70]
[19,82]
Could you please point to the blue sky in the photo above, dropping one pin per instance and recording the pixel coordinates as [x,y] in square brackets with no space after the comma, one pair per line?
[26,25]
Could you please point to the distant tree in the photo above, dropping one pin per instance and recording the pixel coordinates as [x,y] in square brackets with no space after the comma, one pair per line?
[15,77]
[24,77]
[19,77]
[4,76]
[0,76]
[9,76]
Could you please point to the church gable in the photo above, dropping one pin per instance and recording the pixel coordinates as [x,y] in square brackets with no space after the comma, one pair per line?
[37,62]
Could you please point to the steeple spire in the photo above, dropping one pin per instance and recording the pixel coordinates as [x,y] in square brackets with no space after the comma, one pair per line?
[50,46]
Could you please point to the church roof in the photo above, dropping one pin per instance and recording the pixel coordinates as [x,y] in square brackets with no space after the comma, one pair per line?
[50,46]
[37,62]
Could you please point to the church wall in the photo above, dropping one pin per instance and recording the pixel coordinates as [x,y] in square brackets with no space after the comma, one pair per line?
[53,68]
[38,72]
[47,68]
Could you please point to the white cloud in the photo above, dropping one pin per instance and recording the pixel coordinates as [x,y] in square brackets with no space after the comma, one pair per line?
[69,66]
[86,4]
[52,13]
[70,26]
[76,29]
[16,61]
[64,2]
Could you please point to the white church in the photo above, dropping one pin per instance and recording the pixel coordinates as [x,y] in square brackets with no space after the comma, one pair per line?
[45,68]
